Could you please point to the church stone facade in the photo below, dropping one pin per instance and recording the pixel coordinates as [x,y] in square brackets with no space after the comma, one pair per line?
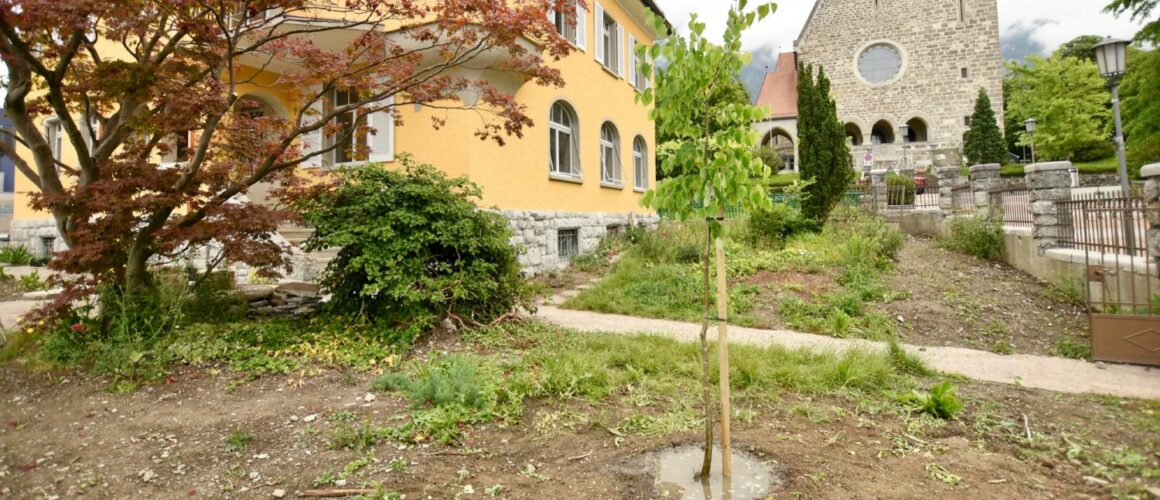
[918,63]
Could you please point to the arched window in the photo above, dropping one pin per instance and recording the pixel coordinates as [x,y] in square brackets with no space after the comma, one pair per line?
[639,163]
[853,134]
[882,133]
[781,143]
[563,142]
[610,155]
[917,130]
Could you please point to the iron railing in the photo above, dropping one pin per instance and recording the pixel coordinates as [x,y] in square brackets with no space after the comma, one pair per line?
[962,199]
[1106,224]
[1013,205]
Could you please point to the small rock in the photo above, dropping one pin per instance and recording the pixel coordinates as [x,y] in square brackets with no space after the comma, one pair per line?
[369,397]
[310,418]
[147,475]
[901,319]
[293,418]
[1095,480]
[279,493]
[340,483]
[1100,365]
[255,476]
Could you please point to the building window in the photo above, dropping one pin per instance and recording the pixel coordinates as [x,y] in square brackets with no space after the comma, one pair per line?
[966,121]
[964,72]
[563,142]
[568,243]
[571,28]
[350,137]
[639,163]
[47,244]
[54,133]
[880,63]
[638,79]
[180,148]
[610,156]
[609,42]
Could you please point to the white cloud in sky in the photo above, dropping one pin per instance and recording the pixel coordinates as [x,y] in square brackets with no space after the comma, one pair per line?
[1066,19]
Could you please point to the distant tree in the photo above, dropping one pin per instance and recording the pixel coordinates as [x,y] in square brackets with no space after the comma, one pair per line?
[1140,95]
[1068,99]
[729,92]
[1080,47]
[770,158]
[985,142]
[825,156]
[1140,10]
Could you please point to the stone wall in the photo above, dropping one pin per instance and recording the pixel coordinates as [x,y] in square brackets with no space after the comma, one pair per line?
[537,231]
[936,40]
[33,234]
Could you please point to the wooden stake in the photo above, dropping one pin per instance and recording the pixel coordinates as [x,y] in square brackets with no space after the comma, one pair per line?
[723,356]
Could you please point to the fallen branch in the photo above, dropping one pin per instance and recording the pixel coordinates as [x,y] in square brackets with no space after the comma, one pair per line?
[1026,427]
[580,457]
[348,492]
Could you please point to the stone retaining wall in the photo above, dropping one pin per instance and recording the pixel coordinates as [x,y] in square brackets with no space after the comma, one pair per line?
[537,232]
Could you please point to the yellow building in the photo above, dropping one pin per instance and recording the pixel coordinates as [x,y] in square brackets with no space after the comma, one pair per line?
[575,175]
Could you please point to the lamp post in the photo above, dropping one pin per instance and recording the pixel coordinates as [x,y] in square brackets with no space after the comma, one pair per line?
[1112,59]
[1030,125]
[904,131]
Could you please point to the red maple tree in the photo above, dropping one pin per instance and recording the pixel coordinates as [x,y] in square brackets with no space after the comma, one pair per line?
[124,77]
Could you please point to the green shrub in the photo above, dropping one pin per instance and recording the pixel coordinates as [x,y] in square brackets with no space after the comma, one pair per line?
[32,283]
[1074,349]
[941,401]
[772,227]
[413,246]
[673,243]
[900,190]
[17,255]
[981,237]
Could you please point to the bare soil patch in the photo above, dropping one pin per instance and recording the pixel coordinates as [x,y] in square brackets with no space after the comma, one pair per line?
[64,435]
[959,300]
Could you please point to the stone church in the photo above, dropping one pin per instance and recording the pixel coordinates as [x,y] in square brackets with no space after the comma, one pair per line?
[904,74]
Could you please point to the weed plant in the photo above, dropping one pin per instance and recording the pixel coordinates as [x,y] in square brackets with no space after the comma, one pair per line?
[981,237]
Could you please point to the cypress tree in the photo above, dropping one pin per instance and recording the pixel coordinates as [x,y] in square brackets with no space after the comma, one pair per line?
[984,142]
[825,157]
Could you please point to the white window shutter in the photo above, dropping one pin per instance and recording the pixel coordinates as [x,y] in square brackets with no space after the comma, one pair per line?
[632,61]
[382,143]
[581,27]
[312,141]
[618,45]
[598,33]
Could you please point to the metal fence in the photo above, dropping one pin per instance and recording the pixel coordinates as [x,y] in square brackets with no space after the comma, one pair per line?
[1106,224]
[962,199]
[1013,204]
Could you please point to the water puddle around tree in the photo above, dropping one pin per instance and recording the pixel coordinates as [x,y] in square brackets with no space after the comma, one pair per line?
[677,476]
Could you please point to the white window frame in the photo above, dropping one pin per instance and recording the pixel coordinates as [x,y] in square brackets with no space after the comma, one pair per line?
[380,145]
[610,171]
[54,134]
[557,129]
[640,164]
[576,33]
[636,77]
[172,159]
[609,42]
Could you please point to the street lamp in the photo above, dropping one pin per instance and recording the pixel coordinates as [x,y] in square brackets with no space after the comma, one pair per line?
[1030,124]
[1112,59]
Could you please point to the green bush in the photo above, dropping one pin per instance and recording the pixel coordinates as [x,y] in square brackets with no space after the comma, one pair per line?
[770,158]
[772,227]
[672,243]
[900,190]
[1143,151]
[16,255]
[413,247]
[981,237]
[941,401]
[1094,151]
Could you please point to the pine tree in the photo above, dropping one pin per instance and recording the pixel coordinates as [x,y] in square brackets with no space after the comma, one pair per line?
[825,157]
[985,142]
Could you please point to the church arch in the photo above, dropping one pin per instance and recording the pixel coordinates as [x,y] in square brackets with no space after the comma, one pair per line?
[917,130]
[781,142]
[853,134]
[882,133]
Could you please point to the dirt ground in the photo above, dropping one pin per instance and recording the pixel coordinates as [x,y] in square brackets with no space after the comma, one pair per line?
[63,435]
[959,300]
[947,299]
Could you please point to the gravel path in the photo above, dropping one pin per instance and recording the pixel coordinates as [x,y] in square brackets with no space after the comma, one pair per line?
[1040,372]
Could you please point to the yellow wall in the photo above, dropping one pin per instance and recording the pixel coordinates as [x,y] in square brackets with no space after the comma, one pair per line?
[515,176]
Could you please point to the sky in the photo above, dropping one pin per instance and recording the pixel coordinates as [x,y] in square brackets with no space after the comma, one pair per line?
[1026,26]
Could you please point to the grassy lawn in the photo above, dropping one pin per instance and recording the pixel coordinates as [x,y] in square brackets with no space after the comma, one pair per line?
[784,179]
[527,410]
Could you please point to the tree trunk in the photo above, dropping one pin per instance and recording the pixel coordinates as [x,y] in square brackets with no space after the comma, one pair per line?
[706,383]
[723,353]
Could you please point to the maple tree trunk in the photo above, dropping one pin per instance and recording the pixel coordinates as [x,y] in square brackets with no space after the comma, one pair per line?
[723,353]
[706,382]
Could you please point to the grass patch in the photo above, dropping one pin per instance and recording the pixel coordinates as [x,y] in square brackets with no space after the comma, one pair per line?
[784,179]
[981,237]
